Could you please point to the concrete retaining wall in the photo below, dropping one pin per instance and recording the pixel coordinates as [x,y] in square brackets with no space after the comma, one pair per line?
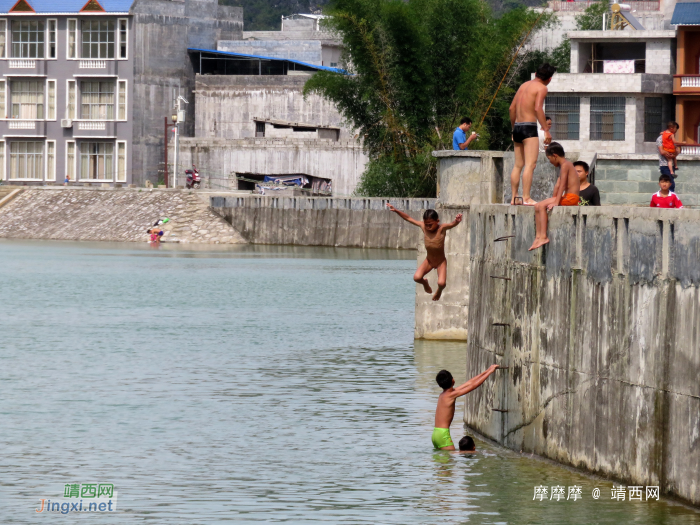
[321,221]
[631,179]
[601,331]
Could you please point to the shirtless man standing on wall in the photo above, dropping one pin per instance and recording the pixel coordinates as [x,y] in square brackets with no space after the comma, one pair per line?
[525,111]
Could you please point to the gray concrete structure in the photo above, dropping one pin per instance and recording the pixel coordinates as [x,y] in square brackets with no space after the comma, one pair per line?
[631,179]
[322,221]
[164,30]
[229,107]
[340,161]
[600,332]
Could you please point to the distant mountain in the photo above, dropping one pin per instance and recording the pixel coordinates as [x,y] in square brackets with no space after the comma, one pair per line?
[266,15]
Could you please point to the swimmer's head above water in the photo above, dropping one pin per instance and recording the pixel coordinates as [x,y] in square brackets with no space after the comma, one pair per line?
[466,444]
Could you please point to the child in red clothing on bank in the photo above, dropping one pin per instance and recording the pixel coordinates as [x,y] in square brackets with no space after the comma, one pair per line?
[665,198]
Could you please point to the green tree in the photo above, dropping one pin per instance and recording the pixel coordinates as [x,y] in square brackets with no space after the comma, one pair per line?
[416,67]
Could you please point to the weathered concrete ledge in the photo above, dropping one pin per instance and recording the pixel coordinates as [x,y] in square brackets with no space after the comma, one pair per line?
[322,221]
[109,214]
[601,331]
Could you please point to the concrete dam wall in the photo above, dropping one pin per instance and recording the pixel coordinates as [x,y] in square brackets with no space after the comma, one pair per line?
[323,221]
[601,331]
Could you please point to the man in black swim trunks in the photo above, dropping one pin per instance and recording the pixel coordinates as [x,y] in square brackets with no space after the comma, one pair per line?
[525,111]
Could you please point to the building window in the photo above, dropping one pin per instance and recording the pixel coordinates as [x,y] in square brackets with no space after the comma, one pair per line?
[3,37]
[27,39]
[122,100]
[26,160]
[607,118]
[121,161]
[70,160]
[51,110]
[52,39]
[96,160]
[260,129]
[72,48]
[70,100]
[50,160]
[98,38]
[652,118]
[97,100]
[564,112]
[123,38]
[27,99]
[3,113]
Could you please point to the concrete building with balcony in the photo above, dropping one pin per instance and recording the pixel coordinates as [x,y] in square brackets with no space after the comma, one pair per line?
[85,84]
[618,93]
[686,81]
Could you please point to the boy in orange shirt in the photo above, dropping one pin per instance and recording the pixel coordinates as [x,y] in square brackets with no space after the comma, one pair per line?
[669,146]
[565,192]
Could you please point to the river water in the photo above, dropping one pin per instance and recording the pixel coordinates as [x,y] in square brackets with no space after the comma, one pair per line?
[247,384]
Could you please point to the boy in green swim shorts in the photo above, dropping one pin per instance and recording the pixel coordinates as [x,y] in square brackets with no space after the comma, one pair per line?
[445,412]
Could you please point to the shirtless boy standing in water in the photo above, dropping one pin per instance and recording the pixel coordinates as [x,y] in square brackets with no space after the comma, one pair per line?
[445,411]
[525,111]
[435,234]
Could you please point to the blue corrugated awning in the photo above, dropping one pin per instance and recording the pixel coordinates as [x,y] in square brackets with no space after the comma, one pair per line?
[686,14]
[67,6]
[260,57]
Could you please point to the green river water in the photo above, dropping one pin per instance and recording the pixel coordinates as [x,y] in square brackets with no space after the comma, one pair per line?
[248,385]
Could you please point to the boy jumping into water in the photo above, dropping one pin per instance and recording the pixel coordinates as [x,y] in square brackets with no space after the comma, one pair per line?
[435,234]
[525,111]
[566,192]
[445,411]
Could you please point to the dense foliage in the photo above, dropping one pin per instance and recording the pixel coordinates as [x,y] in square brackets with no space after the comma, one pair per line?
[416,67]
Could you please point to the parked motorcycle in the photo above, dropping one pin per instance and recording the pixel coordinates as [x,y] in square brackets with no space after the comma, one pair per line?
[193,178]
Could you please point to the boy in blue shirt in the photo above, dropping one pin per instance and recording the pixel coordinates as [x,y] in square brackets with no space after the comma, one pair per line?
[460,141]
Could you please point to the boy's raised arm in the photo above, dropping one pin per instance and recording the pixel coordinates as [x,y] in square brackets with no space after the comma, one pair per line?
[404,216]
[475,382]
[454,223]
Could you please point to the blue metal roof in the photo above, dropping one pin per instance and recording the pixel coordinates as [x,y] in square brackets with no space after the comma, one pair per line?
[229,53]
[67,6]
[686,14]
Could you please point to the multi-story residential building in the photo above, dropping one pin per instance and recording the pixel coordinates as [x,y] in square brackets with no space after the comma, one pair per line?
[686,81]
[618,94]
[85,84]
[65,101]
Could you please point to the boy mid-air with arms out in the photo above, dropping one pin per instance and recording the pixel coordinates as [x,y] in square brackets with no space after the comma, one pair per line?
[525,111]
[435,234]
[445,411]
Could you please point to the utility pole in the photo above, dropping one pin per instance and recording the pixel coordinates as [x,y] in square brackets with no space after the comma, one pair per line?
[165,150]
[178,116]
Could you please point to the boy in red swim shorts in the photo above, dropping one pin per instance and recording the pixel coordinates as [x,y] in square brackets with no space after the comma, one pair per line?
[669,146]
[565,192]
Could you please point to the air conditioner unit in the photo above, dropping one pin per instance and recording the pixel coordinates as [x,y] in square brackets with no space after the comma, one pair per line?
[66,123]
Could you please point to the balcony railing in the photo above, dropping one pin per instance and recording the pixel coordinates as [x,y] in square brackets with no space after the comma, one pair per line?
[92,64]
[23,64]
[557,5]
[691,82]
[22,125]
[689,149]
[91,126]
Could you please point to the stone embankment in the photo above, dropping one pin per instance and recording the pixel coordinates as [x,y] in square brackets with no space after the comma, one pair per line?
[323,221]
[91,214]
